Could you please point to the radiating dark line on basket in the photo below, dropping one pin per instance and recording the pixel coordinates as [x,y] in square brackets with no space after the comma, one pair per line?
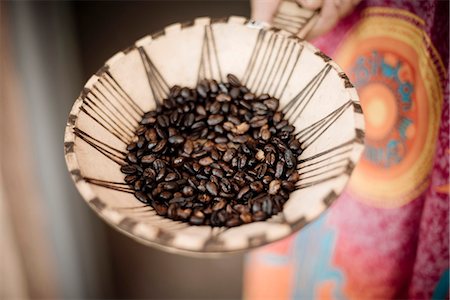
[120,102]
[314,125]
[300,50]
[322,160]
[125,120]
[320,129]
[117,186]
[326,152]
[276,64]
[323,172]
[265,63]
[282,67]
[254,56]
[124,94]
[306,185]
[108,151]
[107,113]
[216,56]
[88,102]
[111,130]
[209,56]
[305,95]
[260,65]
[158,85]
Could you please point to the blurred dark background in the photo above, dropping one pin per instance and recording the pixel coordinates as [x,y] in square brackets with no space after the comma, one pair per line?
[53,245]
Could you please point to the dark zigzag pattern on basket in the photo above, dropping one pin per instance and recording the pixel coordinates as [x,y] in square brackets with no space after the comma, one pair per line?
[272,63]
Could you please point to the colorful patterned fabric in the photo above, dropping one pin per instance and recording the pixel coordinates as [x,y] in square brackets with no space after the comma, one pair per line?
[387,236]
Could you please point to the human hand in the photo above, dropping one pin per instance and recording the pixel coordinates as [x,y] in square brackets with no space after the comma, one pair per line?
[331,11]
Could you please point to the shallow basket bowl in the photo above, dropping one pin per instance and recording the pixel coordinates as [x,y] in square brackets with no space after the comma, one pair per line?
[315,94]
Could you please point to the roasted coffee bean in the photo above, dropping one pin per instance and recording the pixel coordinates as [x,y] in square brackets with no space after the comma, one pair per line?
[229,155]
[233,80]
[279,169]
[206,161]
[128,169]
[141,196]
[176,139]
[223,97]
[256,186]
[259,216]
[289,158]
[130,178]
[241,128]
[234,92]
[214,119]
[212,188]
[202,150]
[188,147]
[274,187]
[197,218]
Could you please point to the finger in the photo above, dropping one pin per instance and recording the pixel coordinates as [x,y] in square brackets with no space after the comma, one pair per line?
[311,4]
[328,18]
[345,7]
[264,10]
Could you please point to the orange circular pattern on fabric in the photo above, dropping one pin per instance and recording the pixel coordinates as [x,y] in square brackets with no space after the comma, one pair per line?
[387,61]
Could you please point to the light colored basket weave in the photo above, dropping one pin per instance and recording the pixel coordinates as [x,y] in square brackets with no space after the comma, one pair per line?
[315,94]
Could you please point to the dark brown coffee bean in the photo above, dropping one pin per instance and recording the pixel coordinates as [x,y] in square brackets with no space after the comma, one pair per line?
[197,218]
[200,109]
[160,209]
[274,187]
[198,125]
[188,147]
[214,119]
[241,128]
[287,185]
[279,170]
[259,216]
[233,222]
[128,169]
[271,103]
[258,121]
[160,146]
[215,107]
[294,177]
[223,98]
[233,80]
[176,139]
[130,178]
[189,120]
[212,188]
[132,146]
[243,192]
[228,126]
[256,186]
[199,154]
[229,155]
[141,196]
[179,161]
[206,161]
[261,170]
[171,176]
[246,217]
[289,158]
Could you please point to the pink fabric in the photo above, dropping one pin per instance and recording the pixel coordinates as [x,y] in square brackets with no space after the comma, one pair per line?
[383,249]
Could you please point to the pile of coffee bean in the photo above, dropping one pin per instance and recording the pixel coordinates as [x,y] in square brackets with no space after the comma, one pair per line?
[215,155]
